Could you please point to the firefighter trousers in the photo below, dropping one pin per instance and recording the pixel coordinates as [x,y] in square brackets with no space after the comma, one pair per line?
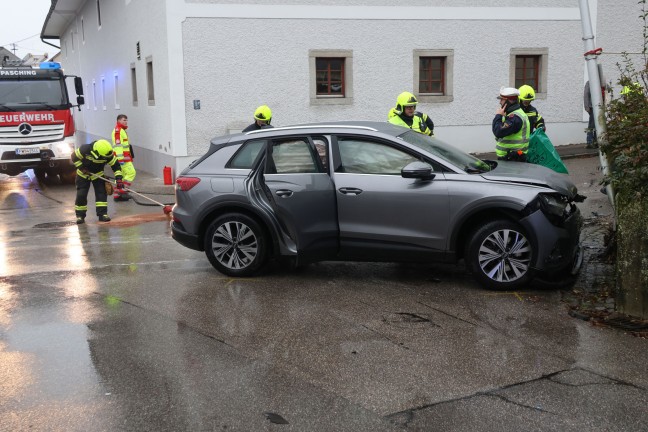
[82,189]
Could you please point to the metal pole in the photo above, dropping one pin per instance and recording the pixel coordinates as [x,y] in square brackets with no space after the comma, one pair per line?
[595,88]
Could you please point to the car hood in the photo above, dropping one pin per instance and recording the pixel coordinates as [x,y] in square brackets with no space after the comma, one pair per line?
[525,173]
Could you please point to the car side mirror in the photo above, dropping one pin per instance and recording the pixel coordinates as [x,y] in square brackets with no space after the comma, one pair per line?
[80,100]
[418,170]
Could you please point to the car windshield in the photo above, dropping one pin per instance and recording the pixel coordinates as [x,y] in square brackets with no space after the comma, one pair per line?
[447,152]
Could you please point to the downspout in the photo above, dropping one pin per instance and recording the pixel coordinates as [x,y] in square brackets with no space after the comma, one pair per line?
[591,54]
[49,15]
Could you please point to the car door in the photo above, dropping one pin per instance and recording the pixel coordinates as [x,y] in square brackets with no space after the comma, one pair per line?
[381,214]
[302,196]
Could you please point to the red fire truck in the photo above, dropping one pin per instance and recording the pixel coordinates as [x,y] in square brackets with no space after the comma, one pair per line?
[36,123]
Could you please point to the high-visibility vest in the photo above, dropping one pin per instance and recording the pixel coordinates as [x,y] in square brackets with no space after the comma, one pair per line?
[418,122]
[516,141]
[121,144]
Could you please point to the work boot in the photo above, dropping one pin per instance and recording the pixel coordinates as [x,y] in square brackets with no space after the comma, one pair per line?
[80,220]
[120,198]
[104,218]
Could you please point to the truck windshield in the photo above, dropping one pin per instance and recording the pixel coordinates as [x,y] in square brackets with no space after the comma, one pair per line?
[38,94]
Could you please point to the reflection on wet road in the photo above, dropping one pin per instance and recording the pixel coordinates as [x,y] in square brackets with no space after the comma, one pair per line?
[116,327]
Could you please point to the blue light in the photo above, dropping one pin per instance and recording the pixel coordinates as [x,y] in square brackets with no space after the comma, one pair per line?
[50,65]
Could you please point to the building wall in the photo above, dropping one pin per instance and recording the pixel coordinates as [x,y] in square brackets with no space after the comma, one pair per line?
[107,52]
[235,64]
[233,57]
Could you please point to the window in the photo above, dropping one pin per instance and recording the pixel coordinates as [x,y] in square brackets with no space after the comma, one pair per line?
[433,75]
[527,71]
[82,31]
[133,83]
[116,89]
[367,157]
[292,156]
[329,73]
[98,14]
[103,93]
[149,81]
[94,95]
[331,77]
[246,155]
[529,66]
[72,40]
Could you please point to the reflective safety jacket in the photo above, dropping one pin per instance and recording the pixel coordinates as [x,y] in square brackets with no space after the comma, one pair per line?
[120,143]
[86,157]
[535,119]
[420,122]
[512,131]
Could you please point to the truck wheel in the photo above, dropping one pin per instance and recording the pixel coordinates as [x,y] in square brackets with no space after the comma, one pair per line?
[68,177]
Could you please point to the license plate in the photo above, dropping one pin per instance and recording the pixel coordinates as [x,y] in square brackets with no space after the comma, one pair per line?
[27,151]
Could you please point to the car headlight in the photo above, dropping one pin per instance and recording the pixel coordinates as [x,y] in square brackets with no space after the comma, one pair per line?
[552,205]
[65,147]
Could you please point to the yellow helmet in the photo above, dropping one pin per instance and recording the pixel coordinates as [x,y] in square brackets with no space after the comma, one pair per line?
[405,99]
[102,147]
[526,93]
[263,113]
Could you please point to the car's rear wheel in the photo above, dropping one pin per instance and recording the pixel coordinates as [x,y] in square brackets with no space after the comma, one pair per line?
[500,255]
[236,245]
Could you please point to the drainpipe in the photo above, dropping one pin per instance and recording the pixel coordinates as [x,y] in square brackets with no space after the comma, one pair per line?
[591,54]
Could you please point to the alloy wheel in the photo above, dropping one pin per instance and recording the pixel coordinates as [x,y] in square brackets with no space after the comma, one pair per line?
[505,255]
[235,245]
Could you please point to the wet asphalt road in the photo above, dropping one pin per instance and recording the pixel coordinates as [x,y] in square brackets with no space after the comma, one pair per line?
[116,327]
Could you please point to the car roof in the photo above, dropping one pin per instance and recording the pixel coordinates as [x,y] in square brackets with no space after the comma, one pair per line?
[317,128]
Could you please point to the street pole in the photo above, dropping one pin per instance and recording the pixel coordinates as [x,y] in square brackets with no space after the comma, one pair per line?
[591,54]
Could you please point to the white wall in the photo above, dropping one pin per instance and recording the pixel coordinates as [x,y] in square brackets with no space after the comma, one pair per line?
[234,57]
[109,50]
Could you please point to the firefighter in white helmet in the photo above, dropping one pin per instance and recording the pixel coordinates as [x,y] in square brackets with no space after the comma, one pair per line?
[511,127]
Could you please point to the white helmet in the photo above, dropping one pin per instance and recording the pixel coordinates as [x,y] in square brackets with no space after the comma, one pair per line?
[510,93]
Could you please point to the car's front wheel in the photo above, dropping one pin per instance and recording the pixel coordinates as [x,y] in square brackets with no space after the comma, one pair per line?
[500,255]
[236,245]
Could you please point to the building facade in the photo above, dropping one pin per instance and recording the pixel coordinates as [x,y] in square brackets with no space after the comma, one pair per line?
[185,71]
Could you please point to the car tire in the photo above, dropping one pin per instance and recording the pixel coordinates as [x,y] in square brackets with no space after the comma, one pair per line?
[236,245]
[500,255]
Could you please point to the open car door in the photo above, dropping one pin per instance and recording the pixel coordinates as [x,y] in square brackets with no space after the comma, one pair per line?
[302,197]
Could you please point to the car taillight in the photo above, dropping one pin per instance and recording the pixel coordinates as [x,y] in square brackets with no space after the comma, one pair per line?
[186,183]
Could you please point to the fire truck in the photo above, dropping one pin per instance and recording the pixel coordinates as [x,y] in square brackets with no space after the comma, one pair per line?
[36,124]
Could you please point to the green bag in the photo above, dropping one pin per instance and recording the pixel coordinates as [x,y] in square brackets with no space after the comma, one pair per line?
[542,152]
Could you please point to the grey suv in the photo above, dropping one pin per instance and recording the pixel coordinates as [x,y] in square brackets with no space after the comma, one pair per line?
[369,191]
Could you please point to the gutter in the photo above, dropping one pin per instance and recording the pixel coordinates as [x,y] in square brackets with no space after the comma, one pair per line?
[42,35]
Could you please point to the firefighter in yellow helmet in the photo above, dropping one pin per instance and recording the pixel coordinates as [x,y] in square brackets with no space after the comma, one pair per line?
[89,160]
[527,94]
[511,127]
[405,114]
[262,118]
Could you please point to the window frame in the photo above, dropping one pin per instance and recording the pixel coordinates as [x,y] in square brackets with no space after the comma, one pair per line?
[448,78]
[133,77]
[150,81]
[543,56]
[347,97]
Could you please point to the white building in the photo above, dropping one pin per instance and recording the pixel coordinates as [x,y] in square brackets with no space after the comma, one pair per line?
[185,71]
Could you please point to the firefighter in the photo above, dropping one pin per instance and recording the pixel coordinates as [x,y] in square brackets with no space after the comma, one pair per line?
[125,156]
[89,160]
[262,118]
[511,127]
[527,94]
[405,114]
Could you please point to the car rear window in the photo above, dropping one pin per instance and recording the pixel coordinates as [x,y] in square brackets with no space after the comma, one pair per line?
[246,155]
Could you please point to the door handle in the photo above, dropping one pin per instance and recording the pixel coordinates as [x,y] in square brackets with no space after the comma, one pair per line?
[284,193]
[350,191]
